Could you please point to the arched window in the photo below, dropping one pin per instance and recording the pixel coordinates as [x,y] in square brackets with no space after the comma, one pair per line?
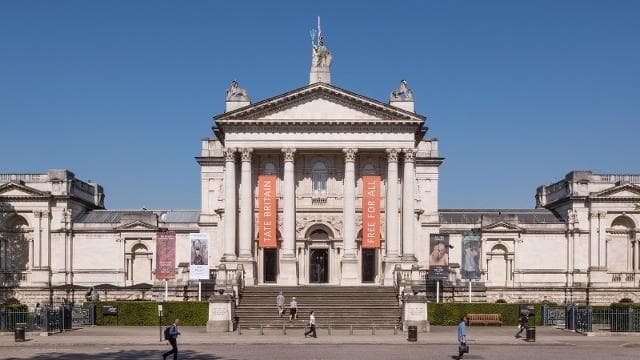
[319,176]
[269,168]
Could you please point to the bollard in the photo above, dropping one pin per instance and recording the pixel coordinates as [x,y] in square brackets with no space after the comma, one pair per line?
[329,329]
[284,329]
[239,331]
[350,329]
[373,329]
[395,329]
[261,330]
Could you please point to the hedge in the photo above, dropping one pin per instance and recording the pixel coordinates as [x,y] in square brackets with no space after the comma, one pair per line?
[145,313]
[450,313]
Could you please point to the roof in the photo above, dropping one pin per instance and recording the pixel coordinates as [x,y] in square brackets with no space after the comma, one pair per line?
[488,216]
[148,216]
[255,110]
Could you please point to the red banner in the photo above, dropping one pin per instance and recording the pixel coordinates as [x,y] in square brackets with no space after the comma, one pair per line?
[166,255]
[267,210]
[371,212]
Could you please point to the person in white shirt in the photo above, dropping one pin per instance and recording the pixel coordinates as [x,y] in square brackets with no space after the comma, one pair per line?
[293,308]
[312,326]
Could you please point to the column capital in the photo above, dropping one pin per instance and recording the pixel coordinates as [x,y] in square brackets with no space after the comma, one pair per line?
[229,154]
[245,154]
[350,154]
[289,154]
[392,155]
[409,155]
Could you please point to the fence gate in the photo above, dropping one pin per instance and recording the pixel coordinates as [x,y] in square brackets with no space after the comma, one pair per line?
[553,315]
[83,316]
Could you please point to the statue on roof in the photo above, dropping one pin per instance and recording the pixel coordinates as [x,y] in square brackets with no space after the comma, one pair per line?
[320,55]
[236,93]
[402,93]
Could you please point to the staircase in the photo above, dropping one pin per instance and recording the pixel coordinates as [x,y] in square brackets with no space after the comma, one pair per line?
[340,306]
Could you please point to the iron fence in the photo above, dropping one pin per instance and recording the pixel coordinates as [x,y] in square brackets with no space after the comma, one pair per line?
[587,319]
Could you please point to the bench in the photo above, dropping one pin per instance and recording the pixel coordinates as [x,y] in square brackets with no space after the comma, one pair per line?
[484,319]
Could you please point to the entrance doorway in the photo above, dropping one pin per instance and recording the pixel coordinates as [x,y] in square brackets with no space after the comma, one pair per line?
[319,266]
[270,265]
[368,265]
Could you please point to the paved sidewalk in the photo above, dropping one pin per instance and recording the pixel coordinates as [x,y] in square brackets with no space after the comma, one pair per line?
[443,335]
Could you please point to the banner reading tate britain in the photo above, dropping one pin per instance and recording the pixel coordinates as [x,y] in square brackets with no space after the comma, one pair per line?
[371,212]
[267,210]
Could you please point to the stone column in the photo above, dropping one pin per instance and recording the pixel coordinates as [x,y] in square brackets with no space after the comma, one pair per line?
[37,241]
[45,244]
[245,227]
[288,269]
[392,256]
[246,208]
[229,205]
[408,198]
[350,271]
[349,208]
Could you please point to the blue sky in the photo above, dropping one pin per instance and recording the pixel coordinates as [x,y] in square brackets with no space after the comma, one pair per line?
[518,93]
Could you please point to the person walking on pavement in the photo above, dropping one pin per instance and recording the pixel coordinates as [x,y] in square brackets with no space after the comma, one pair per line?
[462,337]
[173,337]
[280,304]
[293,308]
[312,325]
[523,323]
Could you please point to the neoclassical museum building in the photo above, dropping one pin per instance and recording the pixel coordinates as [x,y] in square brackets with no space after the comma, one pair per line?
[317,186]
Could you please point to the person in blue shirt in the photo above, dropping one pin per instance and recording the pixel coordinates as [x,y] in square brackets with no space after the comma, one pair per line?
[173,336]
[462,335]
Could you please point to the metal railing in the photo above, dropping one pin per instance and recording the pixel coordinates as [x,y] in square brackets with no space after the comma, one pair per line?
[587,319]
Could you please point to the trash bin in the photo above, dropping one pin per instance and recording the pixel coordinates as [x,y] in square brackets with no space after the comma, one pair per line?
[531,333]
[19,331]
[412,334]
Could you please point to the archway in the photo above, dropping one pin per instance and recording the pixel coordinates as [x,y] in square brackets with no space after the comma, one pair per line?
[319,257]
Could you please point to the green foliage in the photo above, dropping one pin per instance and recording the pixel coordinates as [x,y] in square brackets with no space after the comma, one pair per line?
[450,313]
[145,313]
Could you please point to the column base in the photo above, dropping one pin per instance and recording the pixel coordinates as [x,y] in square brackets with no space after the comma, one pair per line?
[288,271]
[228,258]
[409,259]
[350,272]
[389,264]
[249,266]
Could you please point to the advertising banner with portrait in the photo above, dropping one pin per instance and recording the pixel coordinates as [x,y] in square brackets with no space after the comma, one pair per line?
[267,210]
[439,256]
[471,255]
[166,255]
[371,212]
[199,265]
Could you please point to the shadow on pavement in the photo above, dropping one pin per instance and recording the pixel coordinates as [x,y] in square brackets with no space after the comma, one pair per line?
[124,354]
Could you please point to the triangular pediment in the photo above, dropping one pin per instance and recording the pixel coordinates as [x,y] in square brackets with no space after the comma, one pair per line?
[627,190]
[136,225]
[502,226]
[14,189]
[318,102]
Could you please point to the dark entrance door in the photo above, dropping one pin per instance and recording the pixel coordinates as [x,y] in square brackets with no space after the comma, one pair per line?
[319,266]
[270,265]
[368,265]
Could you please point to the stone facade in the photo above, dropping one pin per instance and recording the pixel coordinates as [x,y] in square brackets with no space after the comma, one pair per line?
[579,244]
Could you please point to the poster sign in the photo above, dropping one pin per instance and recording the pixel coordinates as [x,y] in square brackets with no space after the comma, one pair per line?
[470,255]
[371,212]
[199,265]
[439,256]
[267,210]
[165,255]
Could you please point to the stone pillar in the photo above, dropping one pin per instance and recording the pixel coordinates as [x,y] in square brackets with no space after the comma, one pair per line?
[45,244]
[288,269]
[350,273]
[37,235]
[246,208]
[245,228]
[391,212]
[408,207]
[221,313]
[229,205]
[415,313]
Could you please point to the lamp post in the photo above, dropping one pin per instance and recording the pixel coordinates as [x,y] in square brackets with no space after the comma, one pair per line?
[159,299]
